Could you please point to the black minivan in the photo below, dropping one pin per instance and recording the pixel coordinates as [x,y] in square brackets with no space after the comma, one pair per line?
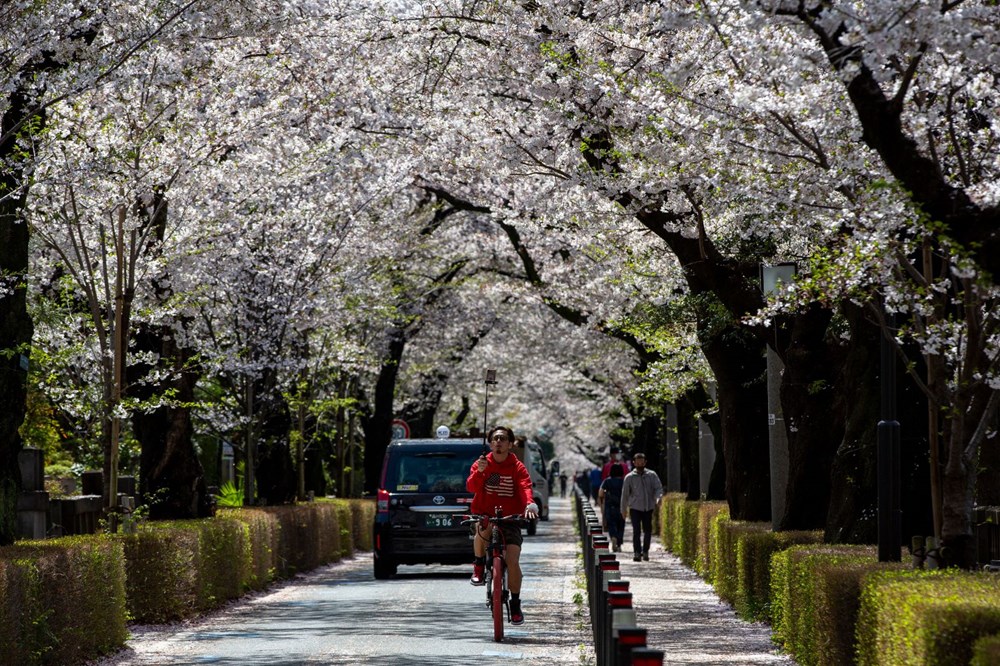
[421,501]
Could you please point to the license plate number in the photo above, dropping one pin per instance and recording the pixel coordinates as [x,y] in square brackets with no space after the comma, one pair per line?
[439,520]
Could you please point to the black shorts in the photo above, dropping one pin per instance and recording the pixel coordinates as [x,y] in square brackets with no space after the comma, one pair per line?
[511,534]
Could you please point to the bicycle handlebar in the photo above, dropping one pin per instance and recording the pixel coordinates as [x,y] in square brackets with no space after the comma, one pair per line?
[495,520]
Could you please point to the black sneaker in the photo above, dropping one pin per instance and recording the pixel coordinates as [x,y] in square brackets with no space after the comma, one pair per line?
[637,557]
[516,616]
[645,556]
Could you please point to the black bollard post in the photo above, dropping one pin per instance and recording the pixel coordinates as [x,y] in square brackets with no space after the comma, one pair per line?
[624,640]
[647,657]
[617,601]
[606,565]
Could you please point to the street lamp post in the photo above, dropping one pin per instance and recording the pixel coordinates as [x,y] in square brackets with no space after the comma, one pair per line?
[772,277]
[889,524]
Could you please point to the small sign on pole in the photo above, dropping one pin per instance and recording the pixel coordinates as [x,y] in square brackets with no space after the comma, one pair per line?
[400,429]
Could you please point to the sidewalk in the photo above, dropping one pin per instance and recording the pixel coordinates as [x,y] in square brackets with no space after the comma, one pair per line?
[683,616]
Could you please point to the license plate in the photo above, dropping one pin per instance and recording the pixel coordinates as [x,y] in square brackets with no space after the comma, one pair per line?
[439,520]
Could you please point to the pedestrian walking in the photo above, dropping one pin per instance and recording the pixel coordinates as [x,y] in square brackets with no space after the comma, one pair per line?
[616,459]
[562,484]
[641,494]
[583,483]
[595,482]
[610,497]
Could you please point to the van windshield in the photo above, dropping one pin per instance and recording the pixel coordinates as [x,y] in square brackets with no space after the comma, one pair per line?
[429,472]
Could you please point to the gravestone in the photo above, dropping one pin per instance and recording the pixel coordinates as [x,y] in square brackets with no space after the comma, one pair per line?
[33,501]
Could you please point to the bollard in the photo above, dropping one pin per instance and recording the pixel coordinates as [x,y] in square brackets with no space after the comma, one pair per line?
[624,639]
[607,566]
[617,601]
[646,657]
[618,585]
[594,584]
[593,530]
[620,617]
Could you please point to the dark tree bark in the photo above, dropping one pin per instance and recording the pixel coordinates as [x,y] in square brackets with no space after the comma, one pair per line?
[378,425]
[687,440]
[976,227]
[15,324]
[22,118]
[647,436]
[852,509]
[171,477]
[276,481]
[737,360]
[814,428]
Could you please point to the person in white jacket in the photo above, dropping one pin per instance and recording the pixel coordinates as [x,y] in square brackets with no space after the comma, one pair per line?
[641,494]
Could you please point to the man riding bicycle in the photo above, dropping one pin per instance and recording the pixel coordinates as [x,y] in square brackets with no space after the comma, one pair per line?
[501,480]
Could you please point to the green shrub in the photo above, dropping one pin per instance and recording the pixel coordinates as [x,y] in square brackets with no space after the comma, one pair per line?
[67,600]
[363,516]
[754,549]
[986,651]
[223,560]
[815,593]
[926,617]
[707,512]
[160,576]
[63,600]
[671,521]
[725,536]
[688,537]
[179,567]
[310,535]
[264,534]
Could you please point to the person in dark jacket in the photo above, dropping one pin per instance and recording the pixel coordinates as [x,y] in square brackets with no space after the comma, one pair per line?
[610,497]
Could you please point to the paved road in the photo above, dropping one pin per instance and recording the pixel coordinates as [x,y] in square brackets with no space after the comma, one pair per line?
[427,616]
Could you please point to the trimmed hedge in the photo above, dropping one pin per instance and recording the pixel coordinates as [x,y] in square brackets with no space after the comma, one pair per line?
[816,592]
[986,651]
[926,617]
[707,513]
[685,528]
[672,522]
[63,600]
[166,571]
[754,549]
[725,537]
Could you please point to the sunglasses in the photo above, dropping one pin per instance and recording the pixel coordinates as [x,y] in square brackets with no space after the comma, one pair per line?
[499,438]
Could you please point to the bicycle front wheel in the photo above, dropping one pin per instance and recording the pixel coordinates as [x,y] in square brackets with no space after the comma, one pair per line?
[498,599]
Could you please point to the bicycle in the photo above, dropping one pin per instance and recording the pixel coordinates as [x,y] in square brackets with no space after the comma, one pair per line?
[497,594]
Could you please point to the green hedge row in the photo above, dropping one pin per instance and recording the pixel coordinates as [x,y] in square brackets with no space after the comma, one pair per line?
[65,600]
[61,601]
[836,604]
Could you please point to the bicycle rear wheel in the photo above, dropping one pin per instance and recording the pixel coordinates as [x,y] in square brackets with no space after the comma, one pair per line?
[498,599]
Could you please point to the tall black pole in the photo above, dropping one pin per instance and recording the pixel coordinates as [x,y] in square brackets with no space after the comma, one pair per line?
[889,525]
[491,378]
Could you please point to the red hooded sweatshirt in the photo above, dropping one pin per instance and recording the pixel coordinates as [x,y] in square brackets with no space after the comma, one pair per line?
[506,485]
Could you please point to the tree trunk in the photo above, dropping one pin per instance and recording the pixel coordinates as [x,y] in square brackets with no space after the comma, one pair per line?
[274,470]
[814,427]
[687,441]
[737,360]
[15,325]
[853,504]
[378,426]
[171,477]
[647,436]
[965,432]
[15,337]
